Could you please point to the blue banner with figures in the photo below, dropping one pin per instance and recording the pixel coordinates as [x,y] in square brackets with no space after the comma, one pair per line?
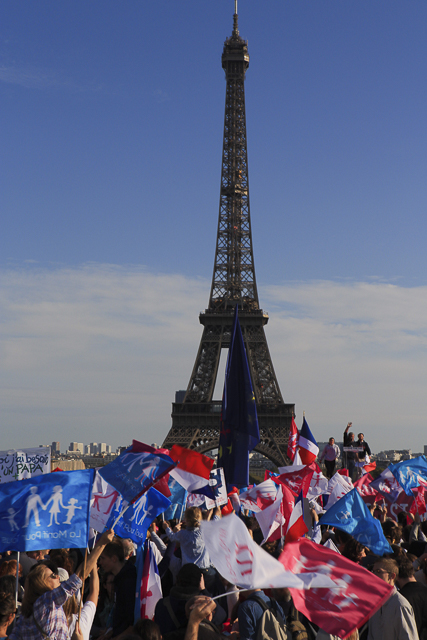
[137,518]
[47,512]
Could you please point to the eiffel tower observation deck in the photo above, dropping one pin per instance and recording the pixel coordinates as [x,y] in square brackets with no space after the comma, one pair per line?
[196,419]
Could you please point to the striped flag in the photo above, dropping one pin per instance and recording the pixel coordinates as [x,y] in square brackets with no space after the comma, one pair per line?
[193,469]
[149,587]
[296,525]
[307,445]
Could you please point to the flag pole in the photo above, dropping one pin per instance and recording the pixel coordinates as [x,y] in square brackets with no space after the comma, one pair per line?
[83,586]
[17,579]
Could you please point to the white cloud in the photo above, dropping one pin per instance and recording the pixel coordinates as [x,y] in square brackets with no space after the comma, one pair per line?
[96,353]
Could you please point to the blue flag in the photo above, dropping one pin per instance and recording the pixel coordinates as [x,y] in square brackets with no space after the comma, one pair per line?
[410,473]
[239,421]
[50,511]
[178,499]
[137,518]
[133,473]
[352,515]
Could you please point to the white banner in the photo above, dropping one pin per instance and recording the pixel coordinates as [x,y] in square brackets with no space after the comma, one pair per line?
[19,464]
[242,562]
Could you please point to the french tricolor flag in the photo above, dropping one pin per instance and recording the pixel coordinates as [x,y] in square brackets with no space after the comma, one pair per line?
[296,525]
[193,469]
[307,445]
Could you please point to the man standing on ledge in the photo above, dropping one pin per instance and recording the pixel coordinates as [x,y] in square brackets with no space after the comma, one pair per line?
[349,457]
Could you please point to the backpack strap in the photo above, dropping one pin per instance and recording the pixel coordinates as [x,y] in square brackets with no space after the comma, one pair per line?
[264,605]
[167,603]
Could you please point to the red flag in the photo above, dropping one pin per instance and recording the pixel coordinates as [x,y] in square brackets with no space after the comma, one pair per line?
[367,492]
[357,596]
[293,440]
[298,480]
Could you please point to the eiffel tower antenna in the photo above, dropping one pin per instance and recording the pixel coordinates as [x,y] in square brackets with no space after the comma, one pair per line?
[196,416]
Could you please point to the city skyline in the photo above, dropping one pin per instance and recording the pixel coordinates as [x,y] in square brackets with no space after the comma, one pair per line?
[110,182]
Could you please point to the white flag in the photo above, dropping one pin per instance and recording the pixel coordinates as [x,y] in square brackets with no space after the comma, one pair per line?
[259,496]
[338,486]
[243,563]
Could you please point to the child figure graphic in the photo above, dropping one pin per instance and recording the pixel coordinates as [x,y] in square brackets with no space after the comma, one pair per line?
[11,518]
[71,509]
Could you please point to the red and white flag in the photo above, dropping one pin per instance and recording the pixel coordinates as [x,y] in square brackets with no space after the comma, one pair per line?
[297,478]
[242,562]
[293,440]
[357,594]
[259,496]
[150,591]
[271,518]
[367,492]
[296,525]
[193,469]
[338,486]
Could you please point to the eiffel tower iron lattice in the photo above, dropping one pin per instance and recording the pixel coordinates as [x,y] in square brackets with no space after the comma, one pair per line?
[196,420]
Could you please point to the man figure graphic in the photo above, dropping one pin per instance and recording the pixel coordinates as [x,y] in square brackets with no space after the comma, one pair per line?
[33,502]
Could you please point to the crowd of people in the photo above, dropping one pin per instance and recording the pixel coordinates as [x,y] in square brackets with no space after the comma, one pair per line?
[69,594]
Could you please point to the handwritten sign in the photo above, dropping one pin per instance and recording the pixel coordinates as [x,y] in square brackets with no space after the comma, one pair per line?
[19,464]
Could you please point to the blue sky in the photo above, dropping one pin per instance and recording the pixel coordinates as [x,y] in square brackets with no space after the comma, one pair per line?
[109,179]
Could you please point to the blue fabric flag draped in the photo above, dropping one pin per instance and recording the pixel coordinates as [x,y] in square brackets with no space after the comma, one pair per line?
[137,518]
[50,511]
[178,500]
[239,421]
[132,473]
[352,515]
[410,473]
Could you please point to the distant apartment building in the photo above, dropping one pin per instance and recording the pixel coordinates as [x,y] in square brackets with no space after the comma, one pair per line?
[55,448]
[76,447]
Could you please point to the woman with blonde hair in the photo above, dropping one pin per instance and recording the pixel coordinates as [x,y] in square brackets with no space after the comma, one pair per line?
[193,549]
[43,615]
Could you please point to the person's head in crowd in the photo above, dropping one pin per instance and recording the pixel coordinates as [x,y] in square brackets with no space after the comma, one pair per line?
[38,555]
[392,531]
[112,558]
[62,558]
[147,630]
[251,524]
[7,612]
[8,584]
[128,548]
[8,568]
[402,519]
[387,569]
[190,577]
[40,579]
[107,584]
[351,436]
[406,572]
[331,441]
[354,550]
[271,547]
[193,517]
[398,552]
[340,538]
[193,602]
[361,437]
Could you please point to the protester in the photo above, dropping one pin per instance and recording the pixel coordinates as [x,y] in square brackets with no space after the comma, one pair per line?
[193,548]
[113,559]
[395,620]
[42,611]
[251,611]
[330,454]
[349,457]
[7,613]
[415,593]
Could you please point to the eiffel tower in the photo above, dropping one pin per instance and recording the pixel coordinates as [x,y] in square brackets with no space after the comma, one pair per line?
[196,419]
